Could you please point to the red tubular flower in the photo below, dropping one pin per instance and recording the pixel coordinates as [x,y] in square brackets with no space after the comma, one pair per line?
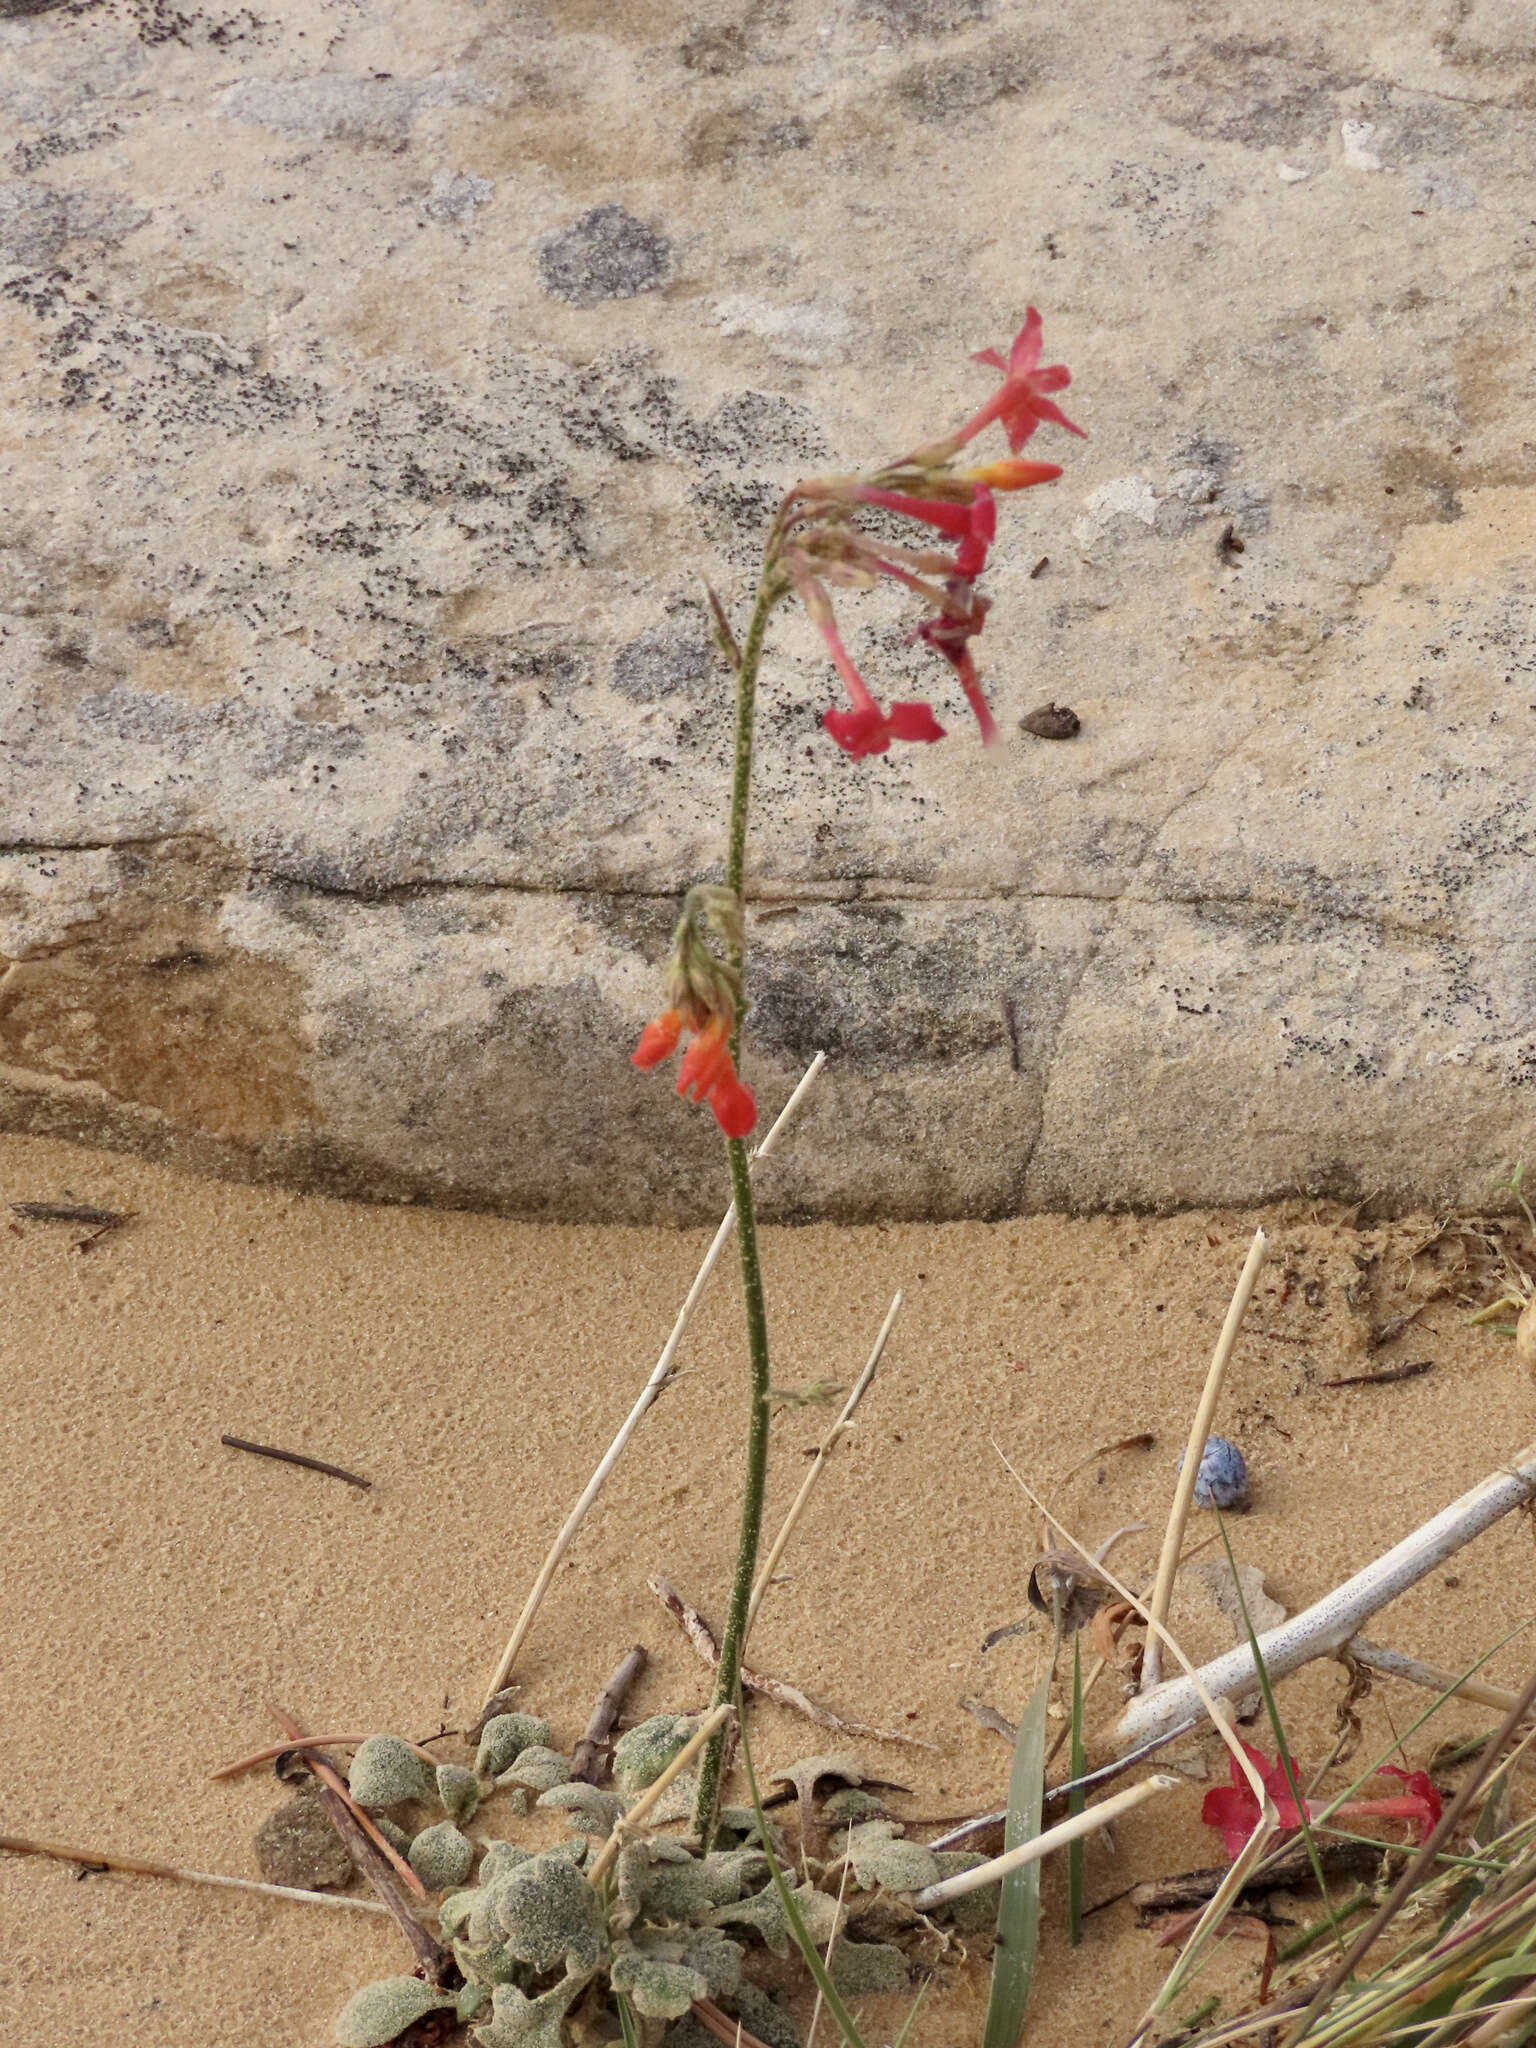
[870,730]
[1021,404]
[866,729]
[1012,474]
[707,1060]
[1235,1811]
[735,1110]
[948,634]
[974,525]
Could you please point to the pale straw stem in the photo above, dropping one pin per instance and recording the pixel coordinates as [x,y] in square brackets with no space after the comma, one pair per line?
[654,1387]
[1194,1450]
[648,1798]
[140,1866]
[818,1465]
[1117,1804]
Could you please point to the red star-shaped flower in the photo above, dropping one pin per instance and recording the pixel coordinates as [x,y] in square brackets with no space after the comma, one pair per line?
[1021,403]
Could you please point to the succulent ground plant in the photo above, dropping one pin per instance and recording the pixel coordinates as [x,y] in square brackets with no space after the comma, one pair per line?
[544,1949]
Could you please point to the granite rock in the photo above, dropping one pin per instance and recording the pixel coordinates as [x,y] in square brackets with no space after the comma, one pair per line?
[383,379]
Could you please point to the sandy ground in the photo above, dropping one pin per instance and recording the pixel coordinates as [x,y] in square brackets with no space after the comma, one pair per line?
[160,1590]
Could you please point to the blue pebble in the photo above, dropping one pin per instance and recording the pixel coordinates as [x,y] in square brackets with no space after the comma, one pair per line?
[1222,1481]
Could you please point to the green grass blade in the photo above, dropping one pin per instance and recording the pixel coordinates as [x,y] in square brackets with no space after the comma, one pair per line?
[906,2025]
[628,2025]
[1277,1726]
[1492,1822]
[1075,1799]
[1018,1916]
[810,1954]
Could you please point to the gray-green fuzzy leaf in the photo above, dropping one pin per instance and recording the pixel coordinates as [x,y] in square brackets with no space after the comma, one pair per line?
[880,1857]
[441,1857]
[661,1990]
[766,1917]
[386,1772]
[862,1968]
[641,1755]
[503,1740]
[537,1768]
[382,2010]
[547,1912]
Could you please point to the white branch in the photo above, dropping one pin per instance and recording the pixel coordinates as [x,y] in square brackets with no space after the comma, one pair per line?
[1322,1629]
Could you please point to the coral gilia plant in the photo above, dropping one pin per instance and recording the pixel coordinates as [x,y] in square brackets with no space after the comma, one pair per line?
[816,544]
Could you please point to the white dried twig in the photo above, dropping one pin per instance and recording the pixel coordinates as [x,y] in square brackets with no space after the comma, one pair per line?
[779,1690]
[654,1387]
[1325,1627]
[829,1444]
[1058,1837]
[142,1866]
[1393,1664]
[1194,1451]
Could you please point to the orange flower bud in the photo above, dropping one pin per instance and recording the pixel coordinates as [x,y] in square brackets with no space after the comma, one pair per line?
[658,1041]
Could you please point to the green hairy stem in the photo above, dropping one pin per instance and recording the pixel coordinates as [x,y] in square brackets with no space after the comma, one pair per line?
[706,1808]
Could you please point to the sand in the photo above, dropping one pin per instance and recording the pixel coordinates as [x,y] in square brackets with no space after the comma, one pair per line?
[161,1590]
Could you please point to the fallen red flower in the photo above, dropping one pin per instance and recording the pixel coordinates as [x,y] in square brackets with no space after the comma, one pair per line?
[1235,1811]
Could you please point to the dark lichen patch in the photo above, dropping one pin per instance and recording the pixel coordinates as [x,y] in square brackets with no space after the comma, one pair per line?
[1265,95]
[665,660]
[751,133]
[606,254]
[905,18]
[946,86]
[37,220]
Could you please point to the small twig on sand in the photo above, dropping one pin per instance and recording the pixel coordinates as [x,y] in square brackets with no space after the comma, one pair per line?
[72,1212]
[141,1866]
[1286,1870]
[1393,1664]
[373,1856]
[1326,1626]
[1143,1440]
[277,1749]
[239,1443]
[829,1444]
[1387,1377]
[650,1393]
[722,2026]
[626,1825]
[989,1717]
[1194,1451]
[702,1637]
[589,1764]
[1038,1846]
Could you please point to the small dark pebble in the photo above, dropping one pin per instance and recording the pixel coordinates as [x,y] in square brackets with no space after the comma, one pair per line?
[1052,722]
[296,1845]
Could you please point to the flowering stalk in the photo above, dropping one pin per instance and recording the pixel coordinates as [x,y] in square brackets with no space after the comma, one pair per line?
[815,541]
[706,1806]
